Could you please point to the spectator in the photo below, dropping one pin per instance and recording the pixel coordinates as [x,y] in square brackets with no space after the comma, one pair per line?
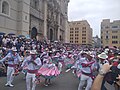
[99,79]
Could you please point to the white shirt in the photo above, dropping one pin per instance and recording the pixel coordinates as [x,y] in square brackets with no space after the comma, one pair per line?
[32,66]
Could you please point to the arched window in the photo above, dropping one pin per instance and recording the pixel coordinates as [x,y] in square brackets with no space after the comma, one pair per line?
[5,7]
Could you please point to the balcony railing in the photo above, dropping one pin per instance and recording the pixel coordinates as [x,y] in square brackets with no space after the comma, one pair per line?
[36,13]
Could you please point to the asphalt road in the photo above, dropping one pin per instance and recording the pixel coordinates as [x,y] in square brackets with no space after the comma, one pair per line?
[66,81]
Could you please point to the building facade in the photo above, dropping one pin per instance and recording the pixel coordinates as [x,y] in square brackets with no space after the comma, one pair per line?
[80,32]
[96,42]
[42,18]
[110,33]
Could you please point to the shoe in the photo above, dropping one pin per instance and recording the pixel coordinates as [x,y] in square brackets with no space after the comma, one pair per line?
[46,85]
[24,78]
[11,85]
[67,70]
[73,72]
[6,84]
[49,83]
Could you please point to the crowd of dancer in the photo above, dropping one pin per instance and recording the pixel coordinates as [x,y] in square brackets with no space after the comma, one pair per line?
[38,59]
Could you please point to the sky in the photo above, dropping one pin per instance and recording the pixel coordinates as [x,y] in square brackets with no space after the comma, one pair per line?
[94,11]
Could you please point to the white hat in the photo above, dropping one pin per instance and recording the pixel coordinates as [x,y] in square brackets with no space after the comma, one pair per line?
[118,57]
[28,51]
[103,55]
[115,60]
[0,51]
[89,53]
[33,52]
[46,49]
[82,52]
[118,66]
[106,50]
[14,49]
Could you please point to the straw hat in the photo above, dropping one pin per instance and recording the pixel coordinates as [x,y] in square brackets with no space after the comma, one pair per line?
[103,55]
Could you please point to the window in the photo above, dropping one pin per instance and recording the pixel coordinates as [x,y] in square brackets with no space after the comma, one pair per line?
[65,12]
[71,38]
[76,41]
[5,8]
[107,27]
[25,17]
[71,41]
[101,27]
[101,41]
[114,26]
[106,37]
[76,31]
[114,37]
[101,37]
[76,38]
[71,28]
[101,32]
[83,31]
[76,28]
[83,41]
[114,42]
[71,31]
[34,3]
[83,37]
[114,31]
[71,34]
[83,28]
[106,31]
[76,34]
[83,34]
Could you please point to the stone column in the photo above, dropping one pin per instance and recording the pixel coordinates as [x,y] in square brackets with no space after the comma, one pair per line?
[58,37]
[67,34]
[45,18]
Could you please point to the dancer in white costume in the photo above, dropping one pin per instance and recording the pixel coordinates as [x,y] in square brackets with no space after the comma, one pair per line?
[33,64]
[13,59]
[86,73]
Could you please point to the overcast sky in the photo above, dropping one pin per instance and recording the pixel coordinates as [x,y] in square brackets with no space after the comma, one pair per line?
[94,11]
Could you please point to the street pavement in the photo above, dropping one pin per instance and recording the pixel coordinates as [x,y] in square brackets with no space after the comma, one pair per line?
[65,81]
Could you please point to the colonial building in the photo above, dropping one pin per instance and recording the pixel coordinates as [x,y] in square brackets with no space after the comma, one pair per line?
[110,33]
[80,32]
[42,18]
